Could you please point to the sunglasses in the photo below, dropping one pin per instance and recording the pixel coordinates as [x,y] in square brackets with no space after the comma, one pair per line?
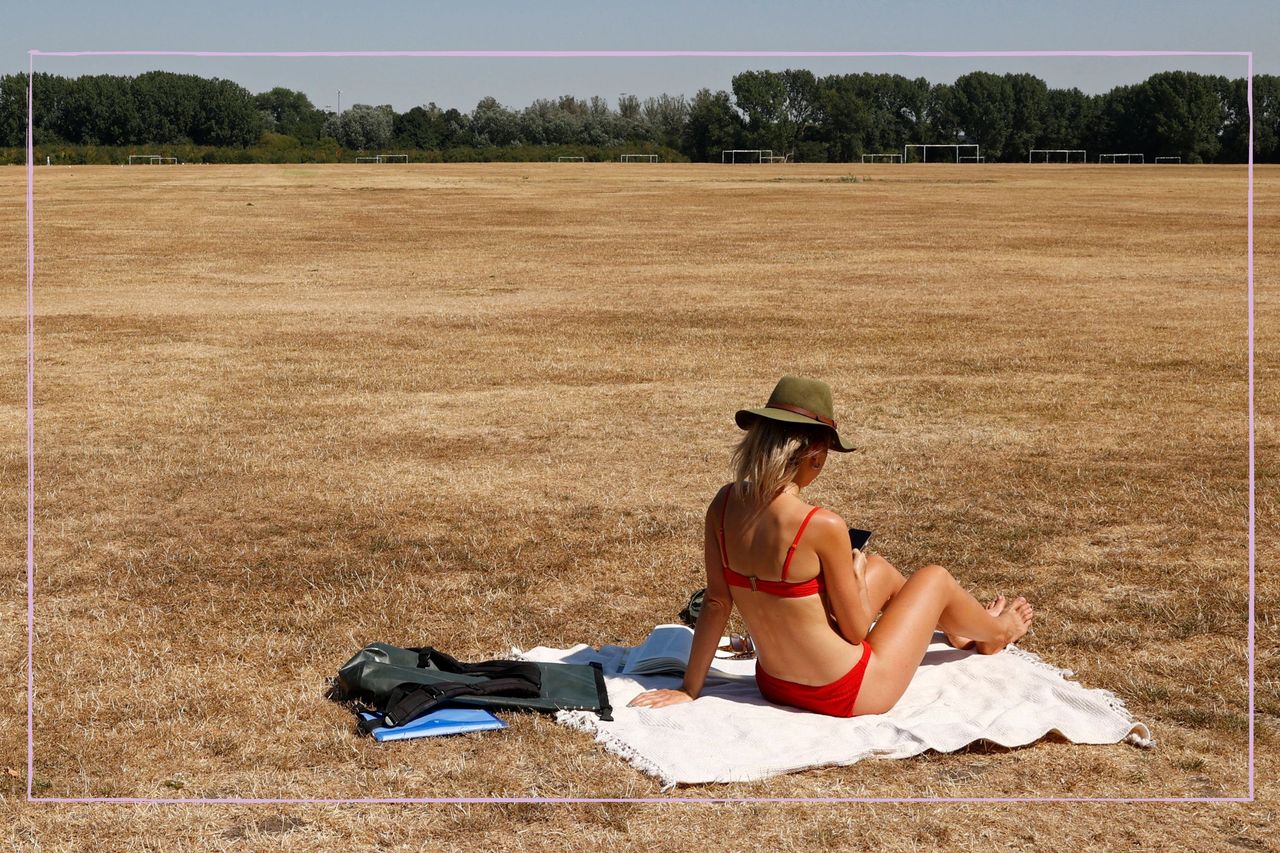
[741,646]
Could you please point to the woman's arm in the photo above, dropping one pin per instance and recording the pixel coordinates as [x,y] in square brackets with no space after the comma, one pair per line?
[717,605]
[845,571]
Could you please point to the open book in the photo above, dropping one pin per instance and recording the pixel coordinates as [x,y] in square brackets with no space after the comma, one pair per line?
[666,652]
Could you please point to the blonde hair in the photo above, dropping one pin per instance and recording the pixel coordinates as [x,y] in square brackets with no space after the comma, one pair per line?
[768,458]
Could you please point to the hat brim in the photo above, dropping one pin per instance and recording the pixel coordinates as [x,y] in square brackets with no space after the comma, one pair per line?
[745,417]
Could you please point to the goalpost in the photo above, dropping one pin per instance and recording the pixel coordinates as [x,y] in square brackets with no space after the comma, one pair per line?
[571,159]
[147,159]
[750,155]
[881,158]
[393,158]
[975,157]
[168,161]
[1168,159]
[638,158]
[366,159]
[1048,152]
[1115,158]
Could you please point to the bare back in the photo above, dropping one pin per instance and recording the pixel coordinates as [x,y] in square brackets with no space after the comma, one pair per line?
[794,637]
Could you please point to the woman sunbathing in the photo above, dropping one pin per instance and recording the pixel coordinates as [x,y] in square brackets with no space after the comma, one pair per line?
[808,600]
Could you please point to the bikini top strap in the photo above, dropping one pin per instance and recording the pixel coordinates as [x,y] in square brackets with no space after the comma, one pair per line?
[724,508]
[792,550]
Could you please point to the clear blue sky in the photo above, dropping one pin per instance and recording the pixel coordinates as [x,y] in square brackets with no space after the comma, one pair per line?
[634,25]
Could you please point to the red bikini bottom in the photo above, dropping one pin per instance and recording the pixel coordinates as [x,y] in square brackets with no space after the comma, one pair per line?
[835,699]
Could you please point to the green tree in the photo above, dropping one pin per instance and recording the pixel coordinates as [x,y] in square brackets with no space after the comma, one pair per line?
[1266,118]
[167,105]
[363,127]
[714,125]
[800,108]
[290,113]
[600,124]
[1068,119]
[666,116]
[1233,95]
[983,110]
[1030,105]
[494,124]
[762,98]
[630,121]
[846,121]
[420,127]
[941,123]
[98,110]
[913,104]
[1183,114]
[629,106]
[226,115]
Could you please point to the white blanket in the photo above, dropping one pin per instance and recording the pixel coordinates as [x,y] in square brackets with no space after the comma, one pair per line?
[731,734]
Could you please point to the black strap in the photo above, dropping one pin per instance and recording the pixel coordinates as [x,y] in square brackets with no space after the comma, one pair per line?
[602,693]
[429,657]
[409,701]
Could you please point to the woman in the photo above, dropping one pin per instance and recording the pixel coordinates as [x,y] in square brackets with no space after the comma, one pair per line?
[808,600]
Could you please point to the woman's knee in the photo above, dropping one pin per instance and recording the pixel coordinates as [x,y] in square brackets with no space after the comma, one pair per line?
[935,574]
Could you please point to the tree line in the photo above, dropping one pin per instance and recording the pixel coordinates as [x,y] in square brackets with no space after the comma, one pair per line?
[836,118]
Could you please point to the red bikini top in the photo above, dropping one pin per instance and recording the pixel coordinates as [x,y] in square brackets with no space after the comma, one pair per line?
[781,588]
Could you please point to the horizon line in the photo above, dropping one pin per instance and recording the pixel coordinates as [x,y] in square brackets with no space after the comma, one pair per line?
[586,54]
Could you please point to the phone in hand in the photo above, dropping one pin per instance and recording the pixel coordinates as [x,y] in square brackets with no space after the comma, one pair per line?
[858,539]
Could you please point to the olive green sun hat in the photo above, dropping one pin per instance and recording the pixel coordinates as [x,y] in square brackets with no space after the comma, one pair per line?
[797,400]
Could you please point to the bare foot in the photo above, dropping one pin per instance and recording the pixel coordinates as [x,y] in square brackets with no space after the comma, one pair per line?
[995,608]
[1015,620]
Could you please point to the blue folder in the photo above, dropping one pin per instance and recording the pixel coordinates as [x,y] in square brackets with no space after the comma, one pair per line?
[442,721]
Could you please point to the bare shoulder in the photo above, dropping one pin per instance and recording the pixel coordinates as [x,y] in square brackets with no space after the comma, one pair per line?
[713,508]
[828,524]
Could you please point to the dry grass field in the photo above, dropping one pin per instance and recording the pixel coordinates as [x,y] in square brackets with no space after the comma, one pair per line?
[286,410]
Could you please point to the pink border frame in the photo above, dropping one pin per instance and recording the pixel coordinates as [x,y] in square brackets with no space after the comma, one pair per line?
[578,54]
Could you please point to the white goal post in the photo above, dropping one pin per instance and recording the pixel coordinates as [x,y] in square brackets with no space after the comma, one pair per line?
[975,157]
[638,158]
[367,160]
[1168,159]
[147,159]
[750,155]
[1115,158]
[393,158]
[571,159]
[1049,152]
[881,158]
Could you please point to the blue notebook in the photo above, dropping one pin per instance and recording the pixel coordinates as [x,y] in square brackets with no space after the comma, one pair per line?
[442,721]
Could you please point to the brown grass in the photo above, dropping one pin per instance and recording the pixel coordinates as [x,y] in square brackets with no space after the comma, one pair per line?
[284,411]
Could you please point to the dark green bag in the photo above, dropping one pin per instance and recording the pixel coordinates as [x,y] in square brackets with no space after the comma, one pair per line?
[404,684]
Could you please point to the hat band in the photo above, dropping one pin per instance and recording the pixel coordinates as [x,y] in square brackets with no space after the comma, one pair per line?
[800,410]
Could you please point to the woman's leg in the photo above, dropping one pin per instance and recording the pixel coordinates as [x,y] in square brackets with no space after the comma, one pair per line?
[903,633]
[884,582]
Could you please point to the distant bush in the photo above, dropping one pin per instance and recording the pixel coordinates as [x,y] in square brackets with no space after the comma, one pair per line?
[281,148]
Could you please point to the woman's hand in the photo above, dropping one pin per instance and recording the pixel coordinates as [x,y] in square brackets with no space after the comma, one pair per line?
[659,699]
[859,565]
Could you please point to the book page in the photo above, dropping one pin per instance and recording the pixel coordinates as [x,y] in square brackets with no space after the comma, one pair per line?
[666,647]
